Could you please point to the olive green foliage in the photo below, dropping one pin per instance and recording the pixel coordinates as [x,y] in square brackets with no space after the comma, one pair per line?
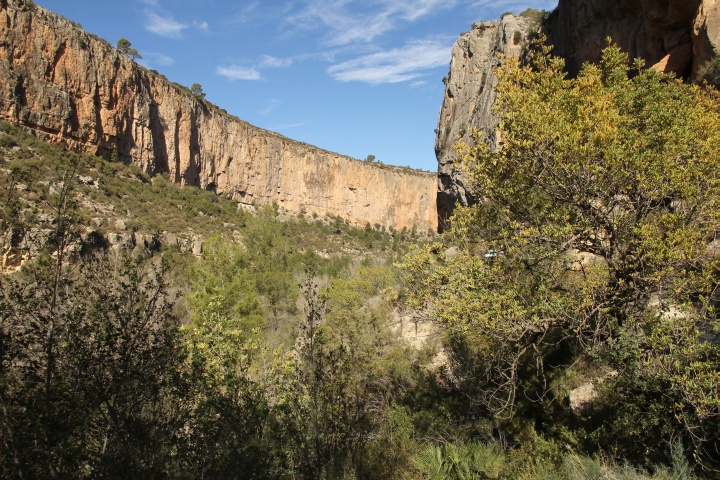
[592,243]
[351,375]
[590,258]
[461,461]
[223,396]
[197,90]
[325,409]
[517,37]
[537,16]
[99,379]
[88,359]
[474,460]
[227,409]
[223,287]
[125,47]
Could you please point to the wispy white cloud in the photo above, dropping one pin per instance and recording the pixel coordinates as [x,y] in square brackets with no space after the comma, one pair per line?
[414,10]
[204,26]
[393,66]
[155,59]
[358,20]
[237,72]
[272,105]
[165,26]
[244,72]
[269,61]
[242,15]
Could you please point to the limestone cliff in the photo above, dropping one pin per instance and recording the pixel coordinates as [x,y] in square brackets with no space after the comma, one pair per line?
[470,96]
[69,86]
[679,36]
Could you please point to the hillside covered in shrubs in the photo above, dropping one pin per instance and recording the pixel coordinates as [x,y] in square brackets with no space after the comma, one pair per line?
[151,330]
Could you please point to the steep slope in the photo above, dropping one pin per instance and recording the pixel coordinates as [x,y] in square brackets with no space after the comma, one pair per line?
[68,86]
[679,36]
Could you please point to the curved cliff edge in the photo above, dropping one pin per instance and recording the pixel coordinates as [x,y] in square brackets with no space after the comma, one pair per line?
[68,86]
[679,36]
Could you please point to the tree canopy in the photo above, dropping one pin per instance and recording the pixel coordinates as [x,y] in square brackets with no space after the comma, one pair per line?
[125,47]
[594,239]
[197,90]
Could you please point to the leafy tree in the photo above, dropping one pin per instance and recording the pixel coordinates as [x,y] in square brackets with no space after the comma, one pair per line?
[593,236]
[197,90]
[87,365]
[125,47]
[336,404]
[97,380]
[273,266]
[223,286]
[229,406]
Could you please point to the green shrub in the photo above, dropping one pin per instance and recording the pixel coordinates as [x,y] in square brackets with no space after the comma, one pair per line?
[6,141]
[451,461]
[576,467]
[517,37]
[537,16]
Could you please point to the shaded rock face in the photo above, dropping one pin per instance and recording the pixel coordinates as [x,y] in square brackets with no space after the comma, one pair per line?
[706,35]
[679,36]
[647,29]
[71,87]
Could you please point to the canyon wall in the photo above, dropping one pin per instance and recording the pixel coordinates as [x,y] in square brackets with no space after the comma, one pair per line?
[68,86]
[679,36]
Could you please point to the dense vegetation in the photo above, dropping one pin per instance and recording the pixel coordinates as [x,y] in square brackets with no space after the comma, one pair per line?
[275,353]
[591,257]
[271,355]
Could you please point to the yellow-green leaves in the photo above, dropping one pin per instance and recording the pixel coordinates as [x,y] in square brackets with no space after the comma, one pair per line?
[602,196]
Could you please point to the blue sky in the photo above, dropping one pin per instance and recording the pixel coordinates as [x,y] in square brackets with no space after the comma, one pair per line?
[357,77]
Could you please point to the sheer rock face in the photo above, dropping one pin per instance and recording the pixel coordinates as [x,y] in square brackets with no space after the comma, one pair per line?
[679,36]
[72,87]
[469,98]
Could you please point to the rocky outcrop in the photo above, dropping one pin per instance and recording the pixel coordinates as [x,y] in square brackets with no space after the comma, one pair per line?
[679,36]
[705,35]
[470,96]
[72,87]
